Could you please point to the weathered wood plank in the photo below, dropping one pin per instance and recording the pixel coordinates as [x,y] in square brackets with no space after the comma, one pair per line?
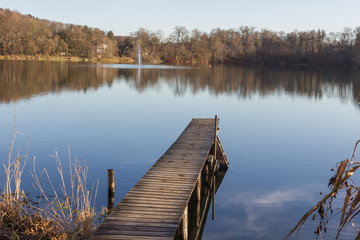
[153,212]
[162,186]
[147,205]
[156,193]
[154,200]
[135,233]
[171,173]
[140,219]
[139,223]
[148,208]
[153,205]
[171,178]
[138,230]
[127,237]
[138,201]
[164,183]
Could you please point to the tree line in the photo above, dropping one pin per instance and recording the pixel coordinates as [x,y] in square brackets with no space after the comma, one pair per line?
[25,34]
[246,45]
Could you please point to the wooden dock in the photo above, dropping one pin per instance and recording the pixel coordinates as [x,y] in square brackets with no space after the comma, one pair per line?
[169,201]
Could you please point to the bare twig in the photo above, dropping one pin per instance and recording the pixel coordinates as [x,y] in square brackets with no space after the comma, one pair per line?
[351,202]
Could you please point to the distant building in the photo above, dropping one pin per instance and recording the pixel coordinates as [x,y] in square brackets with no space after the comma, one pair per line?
[100,49]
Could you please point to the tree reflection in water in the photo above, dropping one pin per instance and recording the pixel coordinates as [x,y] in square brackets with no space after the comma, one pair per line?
[25,79]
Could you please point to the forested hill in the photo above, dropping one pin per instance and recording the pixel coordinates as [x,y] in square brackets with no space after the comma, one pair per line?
[27,35]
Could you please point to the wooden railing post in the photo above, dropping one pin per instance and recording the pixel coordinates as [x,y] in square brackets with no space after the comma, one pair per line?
[215,137]
[214,168]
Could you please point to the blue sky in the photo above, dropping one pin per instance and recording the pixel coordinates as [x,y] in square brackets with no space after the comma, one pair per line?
[124,17]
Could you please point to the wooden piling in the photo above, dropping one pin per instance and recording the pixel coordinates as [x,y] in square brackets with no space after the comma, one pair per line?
[215,137]
[198,201]
[185,224]
[111,189]
[206,178]
[213,192]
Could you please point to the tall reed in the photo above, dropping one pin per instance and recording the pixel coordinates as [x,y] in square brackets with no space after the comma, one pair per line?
[66,212]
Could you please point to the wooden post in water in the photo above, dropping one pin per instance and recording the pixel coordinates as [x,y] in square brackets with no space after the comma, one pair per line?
[209,176]
[111,189]
[198,201]
[185,223]
[214,189]
[204,179]
[215,137]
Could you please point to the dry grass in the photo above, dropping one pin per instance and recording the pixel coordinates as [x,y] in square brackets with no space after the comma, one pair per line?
[116,60]
[69,214]
[341,182]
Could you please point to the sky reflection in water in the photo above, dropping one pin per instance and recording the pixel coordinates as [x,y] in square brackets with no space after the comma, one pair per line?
[282,130]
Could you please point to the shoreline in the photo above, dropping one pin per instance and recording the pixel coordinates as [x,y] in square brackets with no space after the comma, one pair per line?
[129,60]
[67,59]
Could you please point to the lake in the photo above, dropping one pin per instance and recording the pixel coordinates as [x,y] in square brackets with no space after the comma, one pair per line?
[282,130]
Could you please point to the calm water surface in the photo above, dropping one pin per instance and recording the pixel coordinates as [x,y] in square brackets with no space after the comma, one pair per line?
[282,130]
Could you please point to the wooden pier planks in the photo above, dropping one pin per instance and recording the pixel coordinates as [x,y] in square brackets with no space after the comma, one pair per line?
[154,207]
